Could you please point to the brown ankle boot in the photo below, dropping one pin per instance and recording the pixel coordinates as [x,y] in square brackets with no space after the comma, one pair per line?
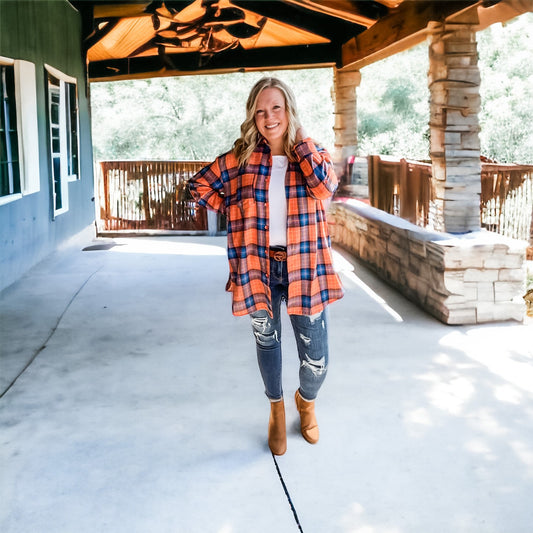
[308,423]
[277,432]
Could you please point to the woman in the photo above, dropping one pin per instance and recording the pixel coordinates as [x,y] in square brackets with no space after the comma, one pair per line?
[272,187]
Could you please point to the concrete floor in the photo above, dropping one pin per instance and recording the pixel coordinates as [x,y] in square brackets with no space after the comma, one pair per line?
[141,409]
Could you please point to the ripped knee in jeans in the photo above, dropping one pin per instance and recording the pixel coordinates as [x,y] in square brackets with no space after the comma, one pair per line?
[316,366]
[265,334]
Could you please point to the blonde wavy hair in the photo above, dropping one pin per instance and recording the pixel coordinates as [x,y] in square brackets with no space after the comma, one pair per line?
[250,136]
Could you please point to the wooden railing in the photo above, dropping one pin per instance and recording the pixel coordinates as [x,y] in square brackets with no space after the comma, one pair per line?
[404,188]
[507,200]
[400,187]
[148,195]
[153,195]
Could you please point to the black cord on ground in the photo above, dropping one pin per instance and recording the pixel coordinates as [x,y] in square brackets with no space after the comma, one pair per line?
[288,495]
[39,350]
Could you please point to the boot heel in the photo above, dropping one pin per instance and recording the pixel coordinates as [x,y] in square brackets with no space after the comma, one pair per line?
[277,431]
[308,423]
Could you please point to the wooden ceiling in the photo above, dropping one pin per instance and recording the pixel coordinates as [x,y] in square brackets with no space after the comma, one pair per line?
[127,39]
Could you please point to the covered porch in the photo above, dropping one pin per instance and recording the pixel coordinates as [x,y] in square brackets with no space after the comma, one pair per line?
[136,405]
[131,399]
[314,33]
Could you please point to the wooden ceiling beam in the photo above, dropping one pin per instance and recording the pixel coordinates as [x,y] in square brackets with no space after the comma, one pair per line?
[332,28]
[307,56]
[403,28]
[114,10]
[342,9]
[502,12]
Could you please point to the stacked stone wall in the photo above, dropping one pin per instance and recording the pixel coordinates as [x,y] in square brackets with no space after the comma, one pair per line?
[469,279]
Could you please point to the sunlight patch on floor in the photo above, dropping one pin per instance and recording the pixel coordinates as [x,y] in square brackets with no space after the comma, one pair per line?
[487,422]
[481,448]
[449,395]
[167,247]
[524,452]
[355,516]
[508,394]
[504,352]
[419,416]
[344,267]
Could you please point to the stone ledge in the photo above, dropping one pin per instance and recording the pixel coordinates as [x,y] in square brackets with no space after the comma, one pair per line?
[460,279]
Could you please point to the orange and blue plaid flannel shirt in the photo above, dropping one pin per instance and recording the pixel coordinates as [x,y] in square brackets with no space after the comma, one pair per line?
[241,193]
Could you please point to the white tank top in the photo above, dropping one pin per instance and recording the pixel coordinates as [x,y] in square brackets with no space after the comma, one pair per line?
[278,202]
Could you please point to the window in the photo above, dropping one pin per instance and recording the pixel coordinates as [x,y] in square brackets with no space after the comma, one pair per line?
[72,129]
[63,129]
[19,146]
[54,104]
[9,158]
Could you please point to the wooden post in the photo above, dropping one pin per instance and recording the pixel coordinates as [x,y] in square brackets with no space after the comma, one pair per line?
[105,215]
[530,249]
[344,97]
[454,80]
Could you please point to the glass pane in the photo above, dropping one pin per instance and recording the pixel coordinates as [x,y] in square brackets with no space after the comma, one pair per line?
[3,147]
[4,179]
[2,117]
[56,145]
[72,121]
[54,111]
[14,146]
[53,81]
[10,90]
[9,166]
[16,178]
[56,169]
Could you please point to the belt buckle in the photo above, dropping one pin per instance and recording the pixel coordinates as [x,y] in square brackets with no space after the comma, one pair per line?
[279,255]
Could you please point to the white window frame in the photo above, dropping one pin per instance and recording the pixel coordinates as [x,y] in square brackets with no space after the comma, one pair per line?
[27,128]
[64,136]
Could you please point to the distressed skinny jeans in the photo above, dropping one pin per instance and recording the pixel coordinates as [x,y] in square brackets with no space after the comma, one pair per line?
[311,341]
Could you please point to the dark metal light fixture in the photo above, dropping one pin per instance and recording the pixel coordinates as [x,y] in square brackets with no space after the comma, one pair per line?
[219,29]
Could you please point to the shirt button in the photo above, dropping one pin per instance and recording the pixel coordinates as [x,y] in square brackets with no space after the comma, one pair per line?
[266,226]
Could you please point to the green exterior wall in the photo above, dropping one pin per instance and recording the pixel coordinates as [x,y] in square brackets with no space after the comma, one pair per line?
[45,32]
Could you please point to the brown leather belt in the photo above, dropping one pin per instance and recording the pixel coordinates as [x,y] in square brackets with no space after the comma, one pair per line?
[277,254]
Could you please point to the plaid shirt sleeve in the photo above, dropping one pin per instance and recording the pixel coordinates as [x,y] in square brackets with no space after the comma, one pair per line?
[317,169]
[207,187]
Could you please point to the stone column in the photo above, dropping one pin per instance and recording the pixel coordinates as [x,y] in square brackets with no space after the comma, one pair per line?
[454,80]
[344,97]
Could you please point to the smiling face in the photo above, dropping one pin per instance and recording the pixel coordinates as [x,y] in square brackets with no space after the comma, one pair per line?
[271,118]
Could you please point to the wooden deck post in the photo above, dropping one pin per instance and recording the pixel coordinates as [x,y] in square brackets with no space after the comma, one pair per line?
[344,97]
[454,81]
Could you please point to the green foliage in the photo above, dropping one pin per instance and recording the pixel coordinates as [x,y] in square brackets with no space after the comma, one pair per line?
[199,117]
[398,95]
[194,117]
[392,104]
[507,91]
